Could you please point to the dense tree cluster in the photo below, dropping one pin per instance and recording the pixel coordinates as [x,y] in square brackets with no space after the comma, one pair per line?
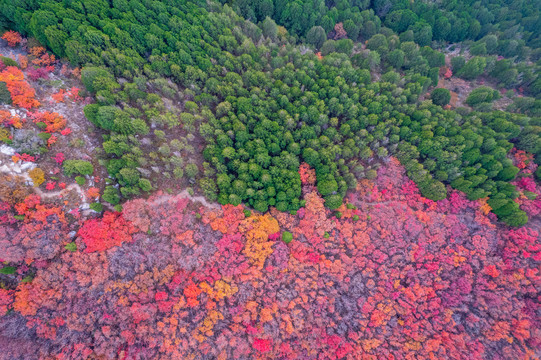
[517,26]
[376,228]
[262,110]
[489,29]
[171,279]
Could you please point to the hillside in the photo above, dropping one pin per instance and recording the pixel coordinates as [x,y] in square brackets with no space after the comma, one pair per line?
[391,273]
[270,180]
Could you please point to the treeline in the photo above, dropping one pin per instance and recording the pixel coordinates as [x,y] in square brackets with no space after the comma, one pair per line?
[264,109]
[506,28]
[516,23]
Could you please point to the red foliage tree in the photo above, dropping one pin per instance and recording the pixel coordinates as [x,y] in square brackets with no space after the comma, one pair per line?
[102,234]
[12,37]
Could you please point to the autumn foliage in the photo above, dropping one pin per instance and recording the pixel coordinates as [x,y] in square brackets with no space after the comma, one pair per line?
[61,95]
[13,189]
[37,175]
[40,57]
[340,33]
[54,122]
[395,276]
[12,37]
[6,119]
[22,94]
[107,232]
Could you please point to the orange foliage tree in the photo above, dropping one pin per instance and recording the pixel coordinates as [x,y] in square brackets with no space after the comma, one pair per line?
[54,122]
[22,94]
[23,61]
[6,119]
[12,37]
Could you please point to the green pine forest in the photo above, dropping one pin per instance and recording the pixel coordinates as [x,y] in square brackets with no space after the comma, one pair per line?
[251,89]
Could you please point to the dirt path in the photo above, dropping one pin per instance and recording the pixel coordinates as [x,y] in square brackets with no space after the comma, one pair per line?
[184,194]
[199,199]
[21,169]
[58,193]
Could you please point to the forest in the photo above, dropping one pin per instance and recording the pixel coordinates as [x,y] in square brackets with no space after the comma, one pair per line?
[223,179]
[261,110]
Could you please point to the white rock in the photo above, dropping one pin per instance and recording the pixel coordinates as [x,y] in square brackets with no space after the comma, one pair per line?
[28,166]
[7,150]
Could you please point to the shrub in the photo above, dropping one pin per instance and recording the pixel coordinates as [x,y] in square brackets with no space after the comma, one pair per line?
[44,136]
[80,167]
[8,270]
[8,61]
[208,186]
[287,237]
[333,201]
[111,195]
[371,174]
[178,172]
[27,142]
[37,175]
[482,94]
[72,246]
[145,185]
[106,115]
[13,38]
[191,170]
[5,95]
[128,191]
[440,96]
[96,207]
[129,176]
